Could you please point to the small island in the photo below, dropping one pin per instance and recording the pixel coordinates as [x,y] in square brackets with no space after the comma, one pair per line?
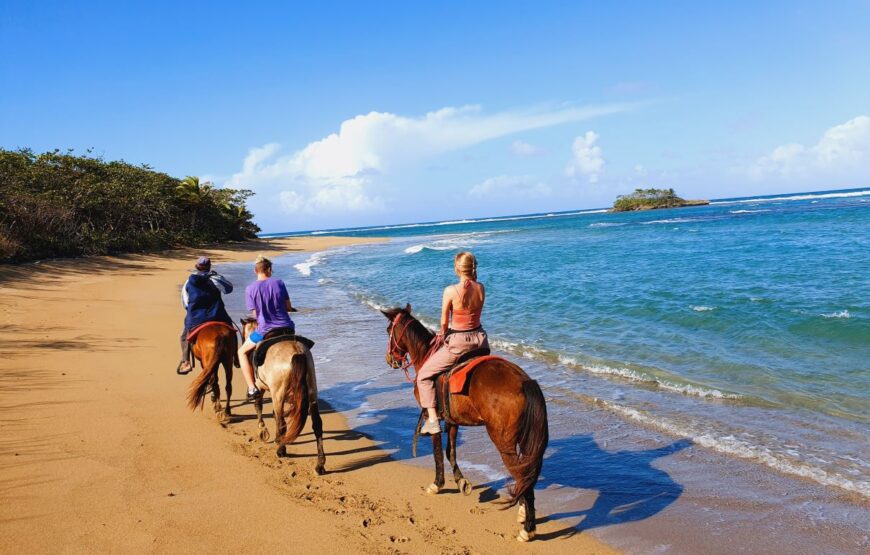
[652,199]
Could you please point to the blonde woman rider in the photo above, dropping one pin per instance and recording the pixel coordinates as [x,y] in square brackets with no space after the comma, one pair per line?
[461,306]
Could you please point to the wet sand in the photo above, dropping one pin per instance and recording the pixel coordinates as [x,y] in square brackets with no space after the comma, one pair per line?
[98,451]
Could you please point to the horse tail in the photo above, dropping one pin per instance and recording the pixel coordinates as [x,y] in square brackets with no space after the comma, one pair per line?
[532,437]
[296,396]
[211,359]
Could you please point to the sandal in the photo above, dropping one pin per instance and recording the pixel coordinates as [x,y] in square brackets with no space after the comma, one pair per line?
[180,370]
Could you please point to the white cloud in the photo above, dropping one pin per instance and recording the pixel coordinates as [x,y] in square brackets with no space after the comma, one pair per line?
[523,149]
[587,160]
[341,171]
[842,150]
[526,186]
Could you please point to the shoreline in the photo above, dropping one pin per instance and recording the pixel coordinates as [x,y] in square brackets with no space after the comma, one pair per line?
[100,453]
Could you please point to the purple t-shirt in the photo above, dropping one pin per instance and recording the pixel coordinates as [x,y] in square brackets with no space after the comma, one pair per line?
[269,298]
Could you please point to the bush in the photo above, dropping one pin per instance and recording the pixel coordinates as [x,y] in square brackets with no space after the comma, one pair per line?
[58,204]
[646,199]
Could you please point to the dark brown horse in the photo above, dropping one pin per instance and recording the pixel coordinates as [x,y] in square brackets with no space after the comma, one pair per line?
[215,345]
[502,397]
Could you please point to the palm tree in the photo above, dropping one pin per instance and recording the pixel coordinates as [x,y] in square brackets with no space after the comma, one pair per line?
[194,192]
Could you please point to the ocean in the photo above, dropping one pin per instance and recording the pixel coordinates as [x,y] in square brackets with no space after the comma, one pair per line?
[726,347]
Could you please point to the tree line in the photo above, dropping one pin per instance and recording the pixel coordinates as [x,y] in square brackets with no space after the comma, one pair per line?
[58,204]
[645,199]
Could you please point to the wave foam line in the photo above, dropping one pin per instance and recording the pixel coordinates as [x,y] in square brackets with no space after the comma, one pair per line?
[532,352]
[730,445]
[798,197]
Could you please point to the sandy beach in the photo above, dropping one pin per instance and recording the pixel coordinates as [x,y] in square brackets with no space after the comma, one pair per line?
[99,452]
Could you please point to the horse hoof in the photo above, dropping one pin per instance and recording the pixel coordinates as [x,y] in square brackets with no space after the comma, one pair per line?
[521,515]
[433,489]
[320,470]
[524,536]
[264,434]
[464,486]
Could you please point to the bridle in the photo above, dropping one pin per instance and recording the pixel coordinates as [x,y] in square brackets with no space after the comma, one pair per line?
[400,357]
[395,352]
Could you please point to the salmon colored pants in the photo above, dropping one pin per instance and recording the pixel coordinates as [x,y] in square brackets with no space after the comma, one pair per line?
[455,345]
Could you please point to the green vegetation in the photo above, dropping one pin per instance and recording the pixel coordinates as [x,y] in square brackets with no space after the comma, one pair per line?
[58,204]
[650,199]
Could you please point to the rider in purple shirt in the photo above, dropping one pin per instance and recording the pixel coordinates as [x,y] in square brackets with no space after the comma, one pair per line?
[269,302]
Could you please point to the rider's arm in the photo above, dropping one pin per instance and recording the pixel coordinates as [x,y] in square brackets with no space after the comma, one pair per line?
[184,295]
[445,310]
[287,304]
[222,283]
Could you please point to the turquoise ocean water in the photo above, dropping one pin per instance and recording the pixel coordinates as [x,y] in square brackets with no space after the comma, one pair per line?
[744,325]
[741,328]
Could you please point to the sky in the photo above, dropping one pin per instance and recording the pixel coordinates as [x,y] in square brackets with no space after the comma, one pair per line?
[340,114]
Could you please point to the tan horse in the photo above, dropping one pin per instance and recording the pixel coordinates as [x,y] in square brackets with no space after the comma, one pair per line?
[285,374]
[215,345]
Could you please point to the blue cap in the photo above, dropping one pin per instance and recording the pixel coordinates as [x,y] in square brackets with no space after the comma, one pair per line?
[203,261]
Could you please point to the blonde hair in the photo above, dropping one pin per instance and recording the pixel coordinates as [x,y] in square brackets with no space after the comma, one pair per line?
[465,265]
[262,264]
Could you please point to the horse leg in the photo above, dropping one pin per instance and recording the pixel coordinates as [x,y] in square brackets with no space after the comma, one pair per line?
[438,453]
[526,512]
[527,508]
[216,392]
[258,406]
[280,424]
[228,370]
[463,484]
[317,424]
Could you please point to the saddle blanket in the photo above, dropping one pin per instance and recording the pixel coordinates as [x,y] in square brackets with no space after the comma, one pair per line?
[191,335]
[459,377]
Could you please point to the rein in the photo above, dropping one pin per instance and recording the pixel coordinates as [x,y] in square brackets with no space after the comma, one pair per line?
[396,352]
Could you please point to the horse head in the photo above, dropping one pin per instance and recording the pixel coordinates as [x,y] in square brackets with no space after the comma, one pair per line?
[249,325]
[397,348]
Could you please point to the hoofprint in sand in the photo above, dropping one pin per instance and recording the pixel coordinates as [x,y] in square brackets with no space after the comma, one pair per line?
[100,453]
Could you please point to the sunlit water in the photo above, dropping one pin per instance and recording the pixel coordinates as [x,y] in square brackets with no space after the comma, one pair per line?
[742,328]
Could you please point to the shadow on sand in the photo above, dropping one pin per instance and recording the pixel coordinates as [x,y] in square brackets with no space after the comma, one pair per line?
[629,487]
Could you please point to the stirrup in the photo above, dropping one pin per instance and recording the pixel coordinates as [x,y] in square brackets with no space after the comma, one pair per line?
[181,372]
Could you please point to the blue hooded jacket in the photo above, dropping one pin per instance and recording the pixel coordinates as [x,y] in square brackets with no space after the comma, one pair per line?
[204,302]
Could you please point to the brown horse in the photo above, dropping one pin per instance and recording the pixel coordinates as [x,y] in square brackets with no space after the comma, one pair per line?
[501,396]
[215,345]
[288,375]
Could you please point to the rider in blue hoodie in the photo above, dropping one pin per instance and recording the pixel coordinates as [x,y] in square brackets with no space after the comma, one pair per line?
[201,297]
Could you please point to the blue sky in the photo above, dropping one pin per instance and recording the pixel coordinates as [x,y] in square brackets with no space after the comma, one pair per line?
[342,113]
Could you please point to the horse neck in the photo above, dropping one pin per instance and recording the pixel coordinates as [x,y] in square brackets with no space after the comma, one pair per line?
[417,342]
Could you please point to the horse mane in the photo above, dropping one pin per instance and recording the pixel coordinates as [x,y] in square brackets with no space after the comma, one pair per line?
[417,333]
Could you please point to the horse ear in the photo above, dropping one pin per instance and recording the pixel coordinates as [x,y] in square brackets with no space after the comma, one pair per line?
[387,314]
[408,308]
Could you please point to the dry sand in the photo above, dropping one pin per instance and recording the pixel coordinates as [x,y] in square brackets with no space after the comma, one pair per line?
[99,453]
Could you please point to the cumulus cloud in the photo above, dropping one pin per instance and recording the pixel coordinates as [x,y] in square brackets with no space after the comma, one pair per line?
[587,160]
[339,172]
[526,186]
[842,150]
[523,149]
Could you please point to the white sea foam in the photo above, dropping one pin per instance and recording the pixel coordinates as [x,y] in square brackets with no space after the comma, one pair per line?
[731,445]
[605,224]
[840,314]
[450,242]
[304,268]
[669,221]
[807,196]
[748,211]
[702,308]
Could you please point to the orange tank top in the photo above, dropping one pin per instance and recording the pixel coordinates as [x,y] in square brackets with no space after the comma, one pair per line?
[464,319]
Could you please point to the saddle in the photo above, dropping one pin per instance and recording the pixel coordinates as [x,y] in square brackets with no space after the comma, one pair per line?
[276,336]
[456,380]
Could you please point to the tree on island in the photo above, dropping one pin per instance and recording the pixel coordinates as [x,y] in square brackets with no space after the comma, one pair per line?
[650,199]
